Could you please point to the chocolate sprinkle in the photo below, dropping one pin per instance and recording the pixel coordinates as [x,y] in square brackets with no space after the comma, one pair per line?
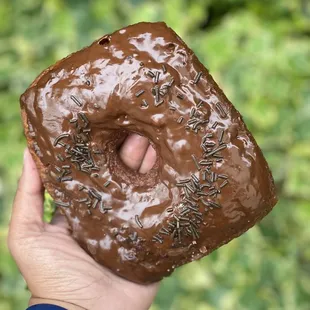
[151,74]
[200,104]
[62,204]
[221,134]
[192,113]
[195,178]
[157,104]
[164,231]
[224,184]
[59,157]
[92,192]
[62,136]
[213,176]
[133,236]
[81,187]
[107,183]
[172,106]
[95,203]
[144,103]
[102,208]
[83,118]
[205,162]
[223,146]
[139,93]
[214,125]
[76,101]
[195,161]
[197,77]
[171,82]
[157,77]
[65,179]
[156,93]
[180,119]
[223,176]
[180,96]
[221,110]
[137,219]
[157,238]
[214,205]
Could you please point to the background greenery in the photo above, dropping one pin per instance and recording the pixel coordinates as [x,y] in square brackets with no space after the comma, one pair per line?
[259,52]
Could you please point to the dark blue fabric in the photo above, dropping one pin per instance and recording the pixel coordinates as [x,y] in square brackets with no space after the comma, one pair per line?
[45,307]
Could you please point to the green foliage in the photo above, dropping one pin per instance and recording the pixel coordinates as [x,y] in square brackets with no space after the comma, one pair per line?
[259,53]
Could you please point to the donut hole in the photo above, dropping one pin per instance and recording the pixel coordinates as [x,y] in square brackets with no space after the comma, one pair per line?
[124,173]
[136,152]
[105,40]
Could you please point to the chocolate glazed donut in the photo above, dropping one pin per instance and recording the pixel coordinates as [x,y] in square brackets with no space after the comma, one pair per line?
[210,182]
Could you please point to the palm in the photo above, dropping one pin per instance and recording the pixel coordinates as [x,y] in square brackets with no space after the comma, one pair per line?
[54,265]
[66,272]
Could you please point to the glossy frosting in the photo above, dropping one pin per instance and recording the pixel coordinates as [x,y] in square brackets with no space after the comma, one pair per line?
[144,79]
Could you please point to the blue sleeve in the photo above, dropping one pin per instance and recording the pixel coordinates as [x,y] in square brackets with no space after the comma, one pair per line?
[46,307]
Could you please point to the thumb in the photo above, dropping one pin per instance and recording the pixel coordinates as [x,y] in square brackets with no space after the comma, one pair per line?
[27,213]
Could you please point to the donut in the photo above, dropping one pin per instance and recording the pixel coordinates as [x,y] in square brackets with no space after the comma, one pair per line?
[210,182]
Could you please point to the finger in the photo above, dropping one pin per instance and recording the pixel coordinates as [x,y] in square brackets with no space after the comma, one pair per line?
[27,213]
[148,160]
[133,150]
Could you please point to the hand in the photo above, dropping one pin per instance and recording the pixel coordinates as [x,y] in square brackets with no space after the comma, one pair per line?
[56,269]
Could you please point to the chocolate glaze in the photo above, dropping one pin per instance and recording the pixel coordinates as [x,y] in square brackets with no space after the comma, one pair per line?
[140,226]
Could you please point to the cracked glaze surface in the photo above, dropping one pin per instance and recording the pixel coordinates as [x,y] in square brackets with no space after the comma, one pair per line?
[210,182]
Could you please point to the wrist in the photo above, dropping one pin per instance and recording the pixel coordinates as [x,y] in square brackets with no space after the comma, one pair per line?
[37,301]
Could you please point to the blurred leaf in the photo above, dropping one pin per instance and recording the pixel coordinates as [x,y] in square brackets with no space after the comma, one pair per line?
[49,207]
